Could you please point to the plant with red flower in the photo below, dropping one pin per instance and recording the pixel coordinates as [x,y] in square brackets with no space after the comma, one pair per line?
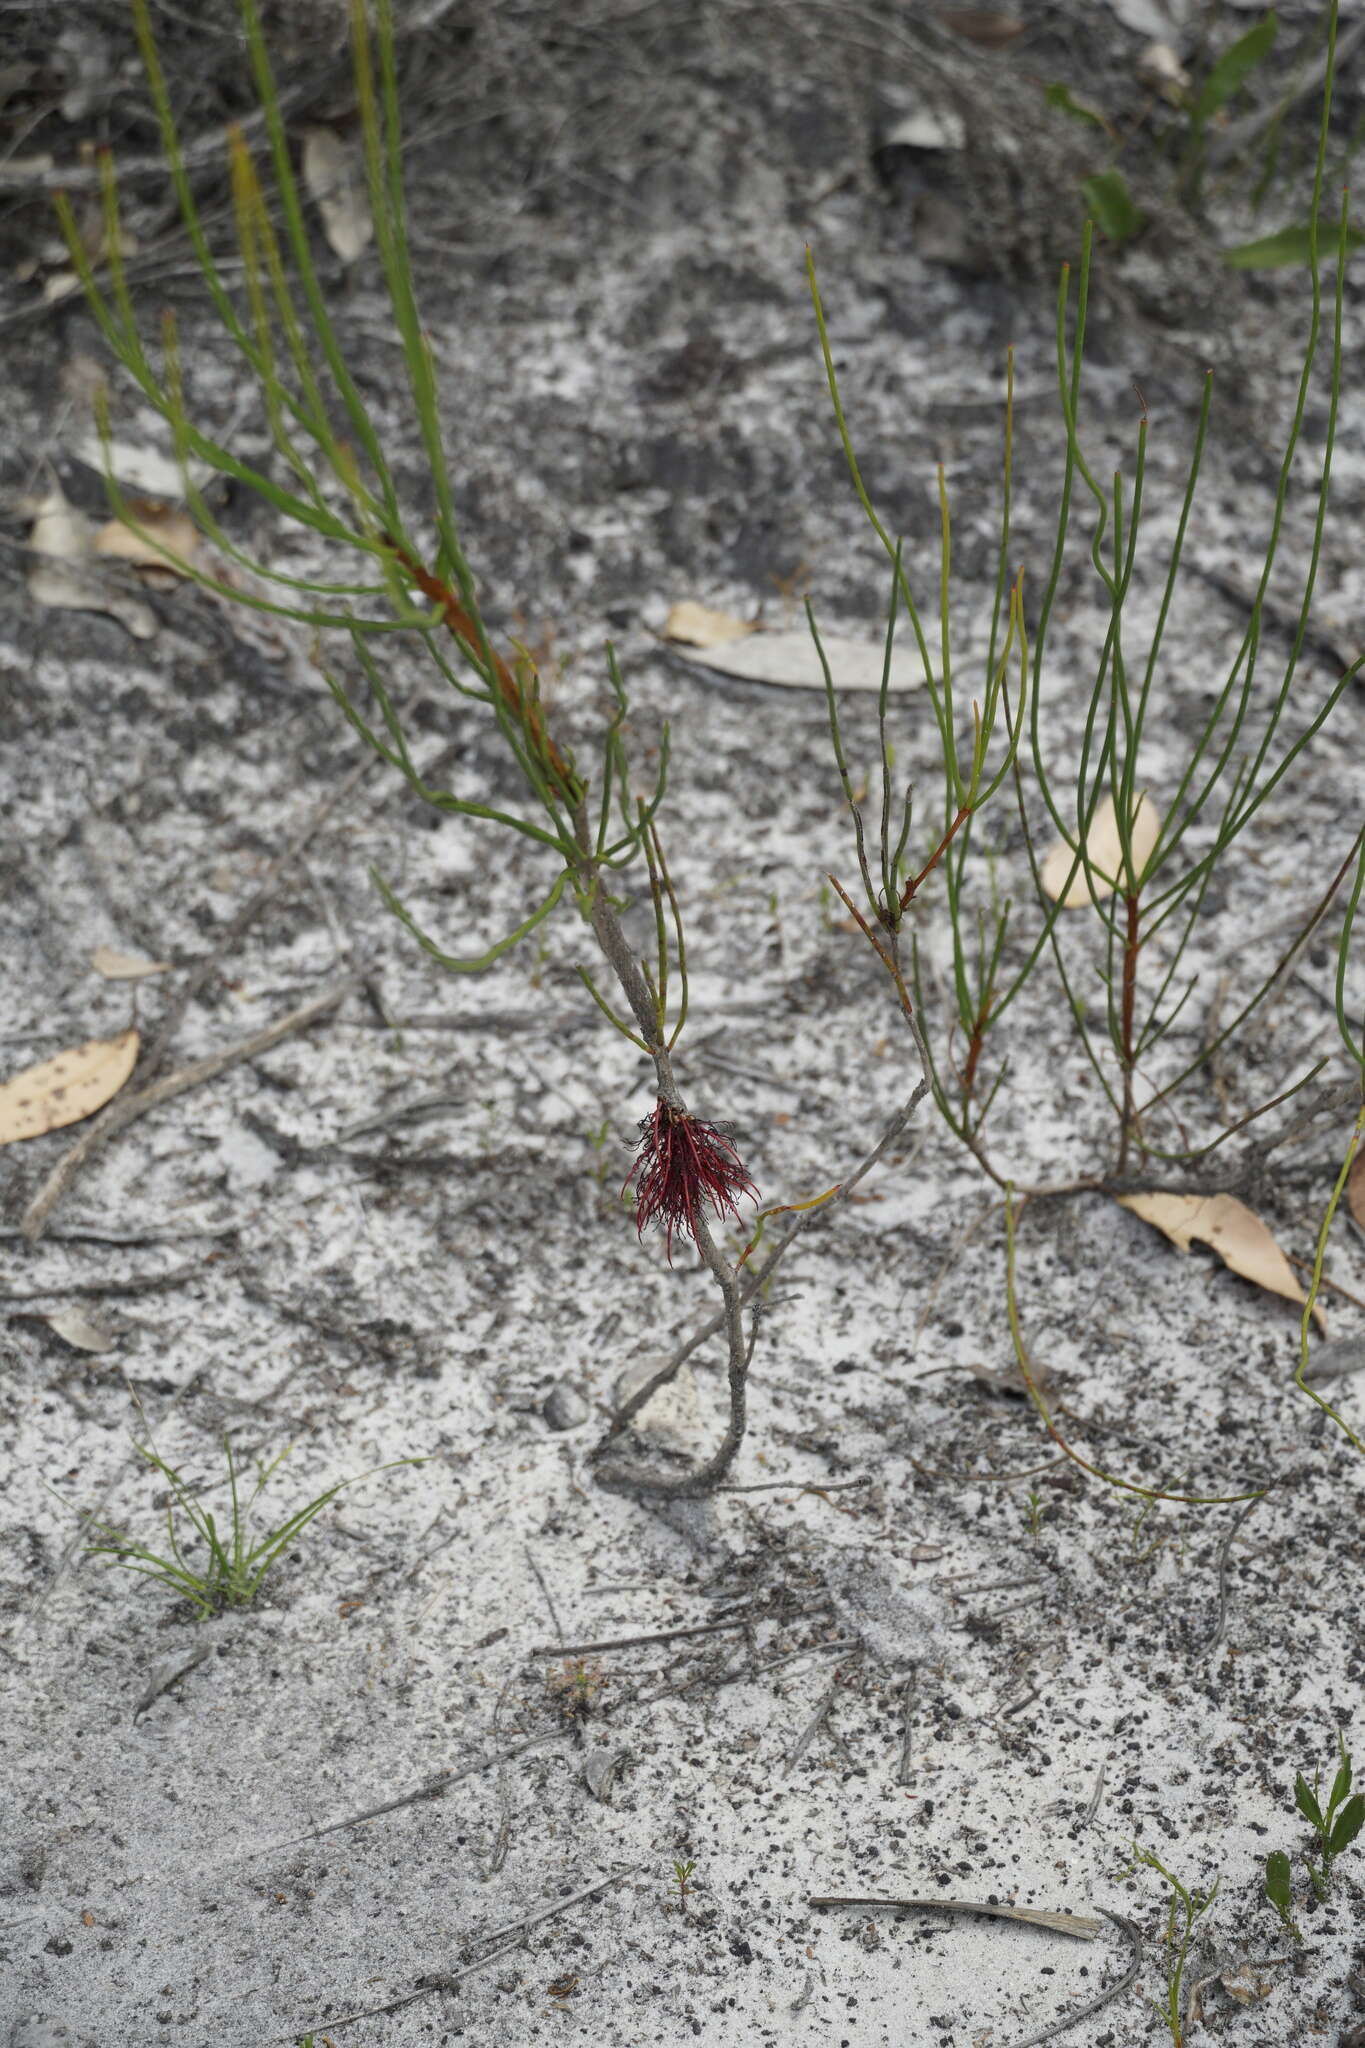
[682,1162]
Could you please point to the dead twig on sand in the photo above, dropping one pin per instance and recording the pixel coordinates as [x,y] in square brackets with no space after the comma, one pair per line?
[667,1635]
[431,1788]
[116,1115]
[1081,1925]
[504,1939]
[1224,1551]
[125,1109]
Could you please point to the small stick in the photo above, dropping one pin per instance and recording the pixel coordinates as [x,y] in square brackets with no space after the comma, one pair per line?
[505,1938]
[124,1109]
[1220,1627]
[167,1677]
[668,1635]
[144,1283]
[1095,1798]
[801,1485]
[432,1789]
[114,1117]
[907,1728]
[1078,1924]
[808,1735]
[540,1581]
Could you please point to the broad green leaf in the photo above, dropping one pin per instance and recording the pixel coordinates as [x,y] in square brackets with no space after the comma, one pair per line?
[1341,1784]
[1288,246]
[1278,1880]
[1109,201]
[1235,66]
[1306,1802]
[1348,1824]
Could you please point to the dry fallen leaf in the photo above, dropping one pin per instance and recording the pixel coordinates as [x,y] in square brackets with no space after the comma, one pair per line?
[983,26]
[1355,1188]
[790,661]
[138,467]
[116,966]
[65,574]
[697,626]
[927,128]
[80,1331]
[1104,851]
[1247,1984]
[166,540]
[65,1088]
[1236,1233]
[1159,67]
[333,177]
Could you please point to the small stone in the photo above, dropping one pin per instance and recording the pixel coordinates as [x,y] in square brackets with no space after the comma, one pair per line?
[564,1407]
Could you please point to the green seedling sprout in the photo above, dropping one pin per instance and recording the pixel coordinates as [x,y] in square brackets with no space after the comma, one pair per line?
[1279,1889]
[1185,1909]
[1336,1825]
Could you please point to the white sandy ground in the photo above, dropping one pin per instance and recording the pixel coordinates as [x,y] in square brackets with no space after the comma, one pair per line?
[281,1265]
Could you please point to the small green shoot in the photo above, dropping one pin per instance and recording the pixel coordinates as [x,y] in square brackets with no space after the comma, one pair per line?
[1279,1889]
[1338,1827]
[1110,205]
[231,1568]
[681,1874]
[1185,1910]
[1035,1510]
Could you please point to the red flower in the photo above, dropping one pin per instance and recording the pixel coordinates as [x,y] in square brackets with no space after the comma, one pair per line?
[682,1162]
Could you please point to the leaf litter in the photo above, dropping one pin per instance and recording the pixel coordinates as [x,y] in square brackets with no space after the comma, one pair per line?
[70,1086]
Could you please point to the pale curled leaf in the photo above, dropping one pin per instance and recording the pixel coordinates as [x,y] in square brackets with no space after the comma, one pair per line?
[928,128]
[65,574]
[333,177]
[1159,67]
[116,966]
[1103,852]
[59,531]
[139,467]
[66,1088]
[1235,1232]
[81,1331]
[165,539]
[789,660]
[696,625]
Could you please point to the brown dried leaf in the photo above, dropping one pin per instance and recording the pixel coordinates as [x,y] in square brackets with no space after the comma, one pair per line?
[65,1088]
[335,183]
[1247,1984]
[1355,1188]
[696,626]
[1104,851]
[982,25]
[171,538]
[1235,1232]
[116,966]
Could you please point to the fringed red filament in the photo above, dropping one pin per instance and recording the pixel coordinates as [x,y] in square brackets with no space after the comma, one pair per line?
[683,1162]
